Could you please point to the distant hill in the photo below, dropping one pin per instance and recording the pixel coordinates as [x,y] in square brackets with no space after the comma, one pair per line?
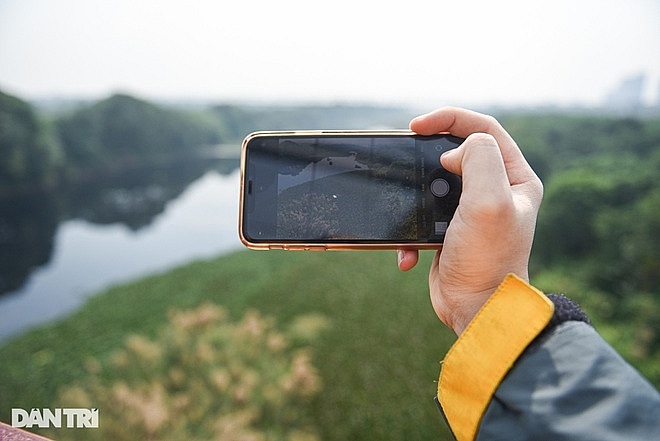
[123,127]
[123,130]
[111,132]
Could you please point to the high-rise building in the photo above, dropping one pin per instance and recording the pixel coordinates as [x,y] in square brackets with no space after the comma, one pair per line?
[628,94]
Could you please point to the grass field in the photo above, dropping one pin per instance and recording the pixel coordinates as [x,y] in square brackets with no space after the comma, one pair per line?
[378,361]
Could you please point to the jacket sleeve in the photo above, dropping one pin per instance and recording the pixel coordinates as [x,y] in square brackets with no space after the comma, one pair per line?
[502,379]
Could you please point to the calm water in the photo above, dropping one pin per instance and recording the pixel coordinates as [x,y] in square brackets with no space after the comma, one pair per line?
[118,233]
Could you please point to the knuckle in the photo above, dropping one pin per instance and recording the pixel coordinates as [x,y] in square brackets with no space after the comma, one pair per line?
[481,138]
[491,122]
[534,191]
[495,208]
[538,185]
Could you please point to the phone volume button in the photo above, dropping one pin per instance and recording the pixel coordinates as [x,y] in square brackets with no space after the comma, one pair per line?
[304,247]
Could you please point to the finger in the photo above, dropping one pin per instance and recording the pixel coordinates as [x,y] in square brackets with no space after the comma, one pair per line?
[463,123]
[407,259]
[459,122]
[481,144]
[485,181]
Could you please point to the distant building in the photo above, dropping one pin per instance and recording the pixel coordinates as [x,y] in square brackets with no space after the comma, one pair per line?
[628,95]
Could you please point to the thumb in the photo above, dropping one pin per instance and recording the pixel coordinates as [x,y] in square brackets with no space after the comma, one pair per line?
[452,160]
[478,160]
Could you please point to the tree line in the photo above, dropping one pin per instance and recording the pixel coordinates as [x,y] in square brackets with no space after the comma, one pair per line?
[117,130]
[599,225]
[600,173]
[123,130]
[602,194]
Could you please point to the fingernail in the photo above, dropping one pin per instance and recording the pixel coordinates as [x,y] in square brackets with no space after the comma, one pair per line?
[399,256]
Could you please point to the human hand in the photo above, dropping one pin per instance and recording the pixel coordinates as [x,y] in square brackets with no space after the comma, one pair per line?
[492,230]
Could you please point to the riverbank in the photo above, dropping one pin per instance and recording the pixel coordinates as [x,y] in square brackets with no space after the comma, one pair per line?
[378,360]
[63,247]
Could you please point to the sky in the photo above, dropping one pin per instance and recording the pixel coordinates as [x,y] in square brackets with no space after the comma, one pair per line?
[467,52]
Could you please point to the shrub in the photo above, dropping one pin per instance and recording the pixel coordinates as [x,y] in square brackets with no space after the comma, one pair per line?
[203,377]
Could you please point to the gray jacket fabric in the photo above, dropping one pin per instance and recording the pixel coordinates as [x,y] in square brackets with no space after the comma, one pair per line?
[572,385]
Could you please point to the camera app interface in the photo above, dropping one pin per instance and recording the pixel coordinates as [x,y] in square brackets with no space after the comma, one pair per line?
[325,189]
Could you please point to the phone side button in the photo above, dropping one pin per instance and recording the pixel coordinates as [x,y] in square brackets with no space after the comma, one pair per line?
[304,247]
[276,247]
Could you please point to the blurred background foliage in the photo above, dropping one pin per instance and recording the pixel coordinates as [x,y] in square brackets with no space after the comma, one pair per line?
[123,131]
[204,377]
[597,241]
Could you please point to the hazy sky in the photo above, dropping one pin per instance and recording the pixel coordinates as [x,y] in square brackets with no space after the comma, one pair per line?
[422,52]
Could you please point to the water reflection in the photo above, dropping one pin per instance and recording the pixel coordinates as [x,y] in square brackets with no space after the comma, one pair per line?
[27,226]
[118,230]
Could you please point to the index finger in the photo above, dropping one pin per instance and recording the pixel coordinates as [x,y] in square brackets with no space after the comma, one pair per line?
[459,122]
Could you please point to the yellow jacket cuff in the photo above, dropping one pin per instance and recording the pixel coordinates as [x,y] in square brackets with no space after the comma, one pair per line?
[479,360]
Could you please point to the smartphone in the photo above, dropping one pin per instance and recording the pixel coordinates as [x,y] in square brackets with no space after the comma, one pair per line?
[318,190]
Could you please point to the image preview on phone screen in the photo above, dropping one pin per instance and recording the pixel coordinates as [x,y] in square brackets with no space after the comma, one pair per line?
[362,189]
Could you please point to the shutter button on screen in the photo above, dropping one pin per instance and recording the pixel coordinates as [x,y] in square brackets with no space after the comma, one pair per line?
[439,187]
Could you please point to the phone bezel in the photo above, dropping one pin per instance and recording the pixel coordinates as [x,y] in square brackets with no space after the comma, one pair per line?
[283,245]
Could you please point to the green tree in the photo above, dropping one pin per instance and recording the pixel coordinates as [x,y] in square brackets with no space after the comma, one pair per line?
[125,128]
[25,153]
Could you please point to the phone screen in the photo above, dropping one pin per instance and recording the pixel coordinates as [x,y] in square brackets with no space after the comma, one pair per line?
[347,188]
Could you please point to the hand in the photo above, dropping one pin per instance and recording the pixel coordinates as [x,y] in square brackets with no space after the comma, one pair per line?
[492,230]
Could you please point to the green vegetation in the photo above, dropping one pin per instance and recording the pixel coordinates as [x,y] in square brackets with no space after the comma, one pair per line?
[26,153]
[599,225]
[597,241]
[377,360]
[204,378]
[122,131]
[123,128]
[111,134]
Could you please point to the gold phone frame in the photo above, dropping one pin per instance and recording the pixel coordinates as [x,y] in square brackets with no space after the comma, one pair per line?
[320,246]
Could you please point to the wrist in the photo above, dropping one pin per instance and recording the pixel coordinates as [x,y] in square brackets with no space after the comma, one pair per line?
[460,307]
[476,364]
[462,316]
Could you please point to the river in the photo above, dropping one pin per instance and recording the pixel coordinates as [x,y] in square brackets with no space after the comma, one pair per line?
[112,233]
